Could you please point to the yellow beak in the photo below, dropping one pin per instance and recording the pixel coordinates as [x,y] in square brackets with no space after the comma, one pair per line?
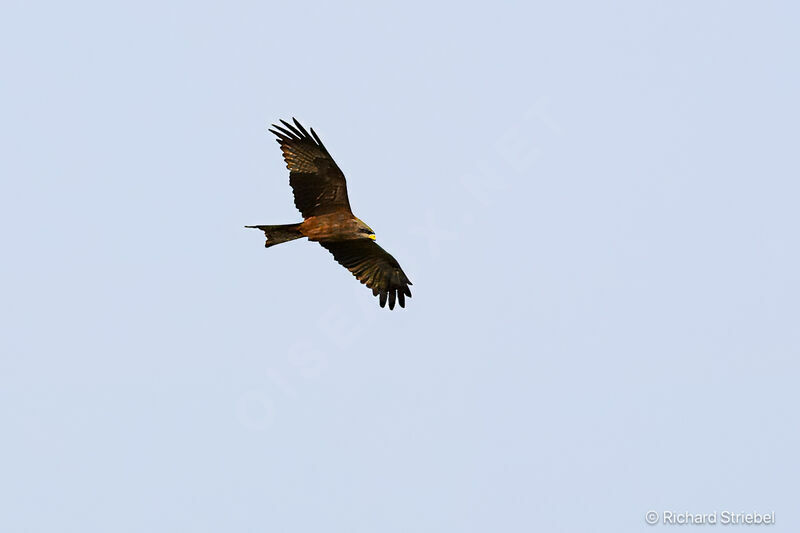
[372,236]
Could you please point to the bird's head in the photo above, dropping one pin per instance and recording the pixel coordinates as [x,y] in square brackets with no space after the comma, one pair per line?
[364,230]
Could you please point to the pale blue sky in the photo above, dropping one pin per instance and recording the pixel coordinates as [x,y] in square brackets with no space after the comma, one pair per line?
[597,204]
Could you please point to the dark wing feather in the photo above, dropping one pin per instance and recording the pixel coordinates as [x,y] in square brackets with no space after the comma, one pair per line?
[374,267]
[318,183]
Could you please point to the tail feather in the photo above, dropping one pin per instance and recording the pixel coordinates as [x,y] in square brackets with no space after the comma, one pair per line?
[278,234]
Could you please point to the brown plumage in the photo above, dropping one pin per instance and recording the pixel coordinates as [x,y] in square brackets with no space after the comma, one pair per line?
[320,194]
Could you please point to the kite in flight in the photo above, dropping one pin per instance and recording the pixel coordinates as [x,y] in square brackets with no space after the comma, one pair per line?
[320,194]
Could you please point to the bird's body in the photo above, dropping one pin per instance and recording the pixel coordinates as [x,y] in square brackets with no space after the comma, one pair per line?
[320,193]
[332,227]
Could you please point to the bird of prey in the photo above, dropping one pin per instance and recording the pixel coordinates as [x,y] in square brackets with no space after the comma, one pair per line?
[320,194]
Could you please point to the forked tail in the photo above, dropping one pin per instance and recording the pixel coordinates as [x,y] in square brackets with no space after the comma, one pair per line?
[278,234]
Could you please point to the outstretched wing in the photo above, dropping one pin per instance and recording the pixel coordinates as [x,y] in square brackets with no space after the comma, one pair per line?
[373,266]
[318,183]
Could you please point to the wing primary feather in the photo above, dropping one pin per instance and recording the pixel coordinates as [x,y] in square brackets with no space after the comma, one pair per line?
[300,127]
[288,133]
[280,128]
[292,129]
[392,298]
[280,135]
[319,141]
[383,299]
